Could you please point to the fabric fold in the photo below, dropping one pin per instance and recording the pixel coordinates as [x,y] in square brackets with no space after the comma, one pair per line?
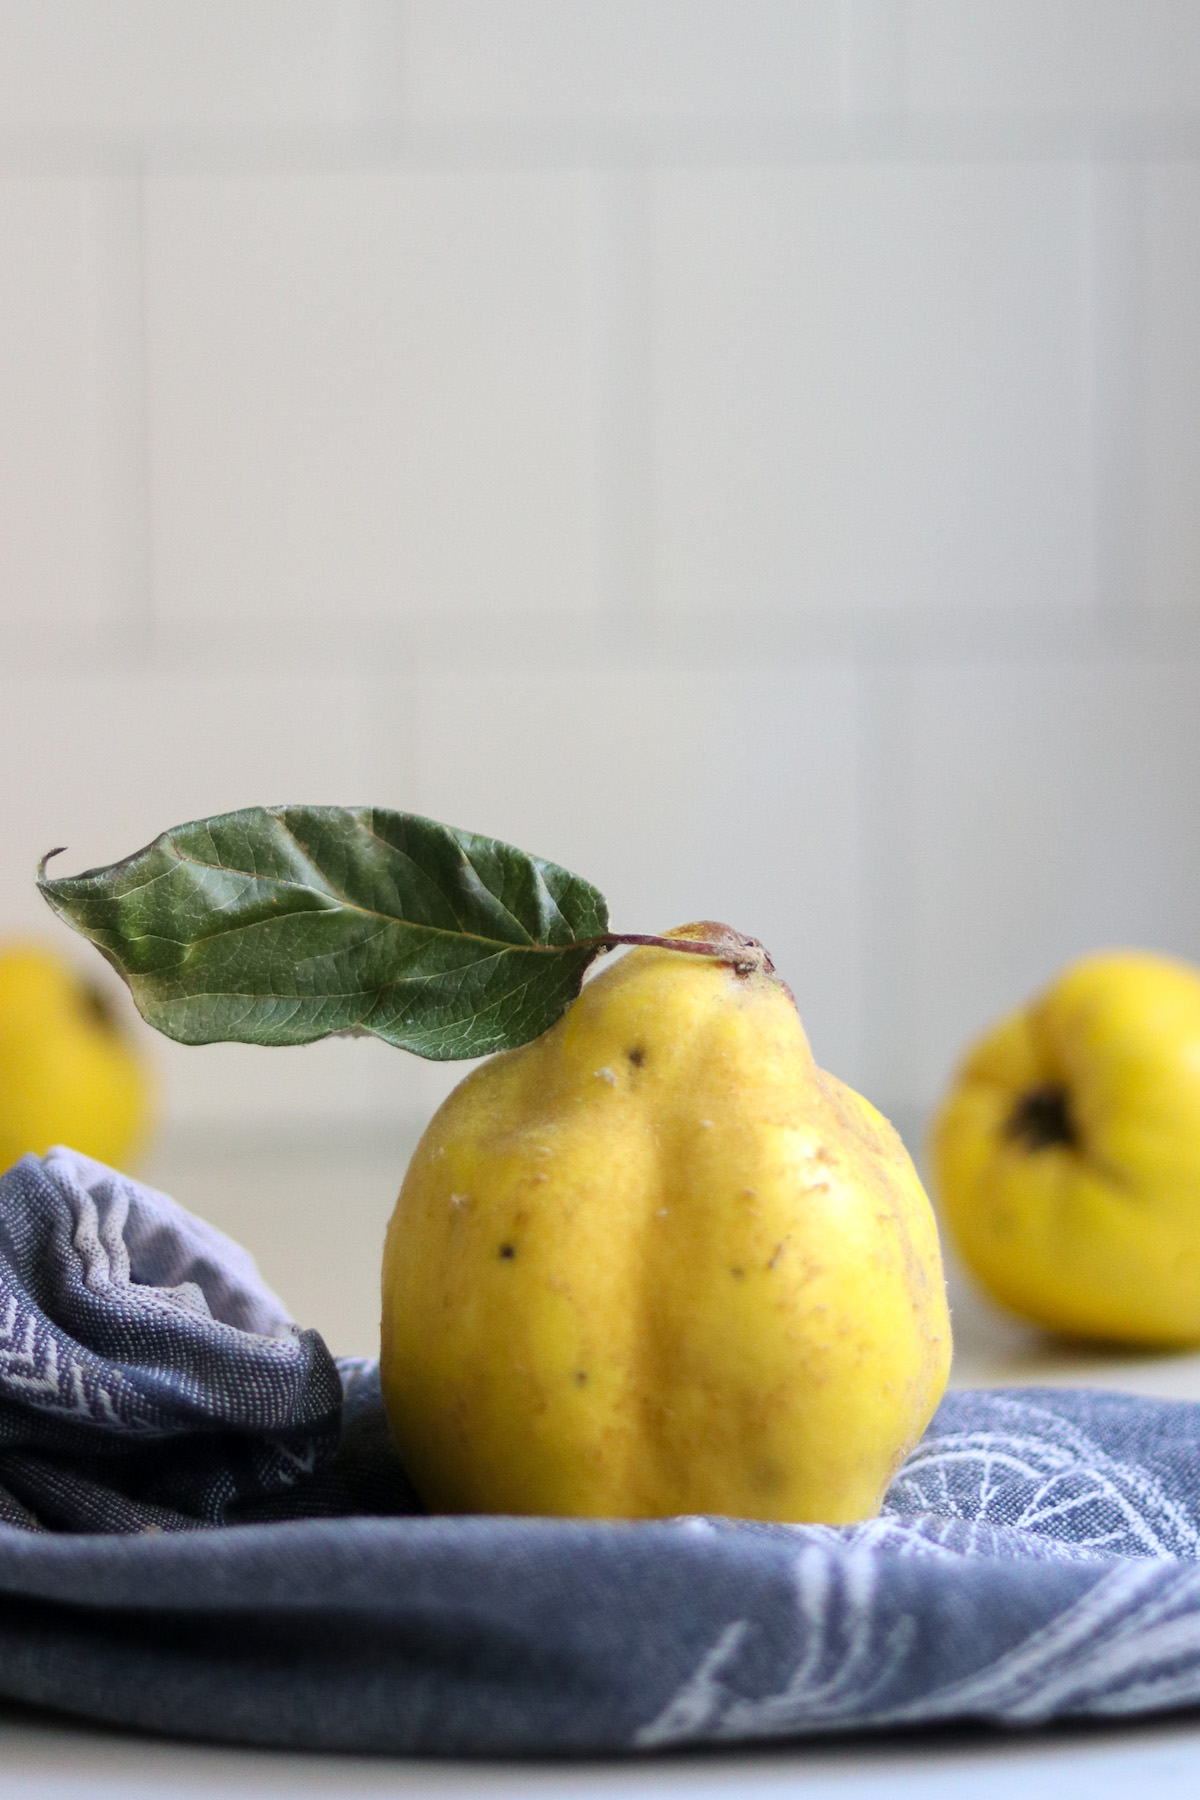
[205,1529]
[149,1379]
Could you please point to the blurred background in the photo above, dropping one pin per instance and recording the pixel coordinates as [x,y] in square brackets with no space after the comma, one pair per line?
[745,450]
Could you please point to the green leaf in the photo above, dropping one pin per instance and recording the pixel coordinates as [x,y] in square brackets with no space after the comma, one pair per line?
[278,925]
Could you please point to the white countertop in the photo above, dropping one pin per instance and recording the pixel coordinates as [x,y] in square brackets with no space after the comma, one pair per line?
[45,1760]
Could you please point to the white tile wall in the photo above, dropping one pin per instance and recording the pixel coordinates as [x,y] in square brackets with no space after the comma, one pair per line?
[52,525]
[1053,811]
[1170,470]
[126,65]
[367,395]
[620,61]
[869,389]
[1114,56]
[748,453]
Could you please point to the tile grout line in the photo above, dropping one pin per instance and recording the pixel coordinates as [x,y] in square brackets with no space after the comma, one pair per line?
[618,424]
[886,878]
[146,445]
[703,640]
[124,446]
[1114,338]
[867,136]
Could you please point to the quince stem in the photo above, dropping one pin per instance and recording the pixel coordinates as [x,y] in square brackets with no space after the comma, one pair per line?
[744,954]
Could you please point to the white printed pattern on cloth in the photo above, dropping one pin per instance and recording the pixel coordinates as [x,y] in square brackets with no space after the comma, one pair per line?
[31,1364]
[1130,1644]
[36,1363]
[1047,1478]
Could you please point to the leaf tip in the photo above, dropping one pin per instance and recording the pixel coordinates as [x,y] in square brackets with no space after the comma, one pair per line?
[41,873]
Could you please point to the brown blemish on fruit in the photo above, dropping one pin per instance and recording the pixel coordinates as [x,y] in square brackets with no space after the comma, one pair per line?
[506,1252]
[767,1476]
[637,1056]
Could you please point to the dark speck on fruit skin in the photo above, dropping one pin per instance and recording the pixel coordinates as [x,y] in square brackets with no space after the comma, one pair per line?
[507,1252]
[581,1378]
[637,1056]
[738,1273]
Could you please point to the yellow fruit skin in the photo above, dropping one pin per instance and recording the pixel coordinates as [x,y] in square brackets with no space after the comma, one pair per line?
[657,1262]
[67,1073]
[1099,1237]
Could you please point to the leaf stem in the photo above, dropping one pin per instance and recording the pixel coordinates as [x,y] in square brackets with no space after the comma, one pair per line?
[744,954]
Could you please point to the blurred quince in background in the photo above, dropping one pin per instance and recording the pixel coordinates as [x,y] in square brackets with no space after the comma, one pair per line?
[1066,1154]
[69,1073]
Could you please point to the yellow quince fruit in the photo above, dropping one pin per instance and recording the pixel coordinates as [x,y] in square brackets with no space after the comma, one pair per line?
[1067,1153]
[68,1073]
[656,1261]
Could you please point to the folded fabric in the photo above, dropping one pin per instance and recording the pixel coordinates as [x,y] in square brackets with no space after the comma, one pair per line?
[149,1379]
[1038,1556]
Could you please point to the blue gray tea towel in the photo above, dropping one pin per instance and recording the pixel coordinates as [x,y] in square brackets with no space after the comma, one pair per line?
[204,1530]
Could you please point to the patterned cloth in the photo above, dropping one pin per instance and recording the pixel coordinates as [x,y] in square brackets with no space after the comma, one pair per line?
[1038,1556]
